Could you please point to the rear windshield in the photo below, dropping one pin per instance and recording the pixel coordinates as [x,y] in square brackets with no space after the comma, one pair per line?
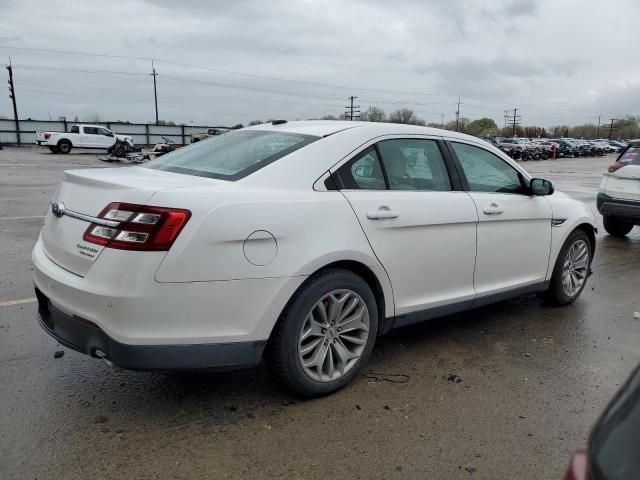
[631,156]
[233,155]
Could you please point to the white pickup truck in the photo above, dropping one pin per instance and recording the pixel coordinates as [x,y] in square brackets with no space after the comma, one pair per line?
[80,136]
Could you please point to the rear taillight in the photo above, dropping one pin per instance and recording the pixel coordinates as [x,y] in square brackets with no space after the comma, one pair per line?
[140,227]
[615,166]
[47,136]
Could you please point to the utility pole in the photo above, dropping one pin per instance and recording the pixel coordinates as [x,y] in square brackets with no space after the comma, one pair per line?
[598,129]
[611,127]
[513,119]
[154,74]
[442,122]
[458,114]
[352,108]
[12,96]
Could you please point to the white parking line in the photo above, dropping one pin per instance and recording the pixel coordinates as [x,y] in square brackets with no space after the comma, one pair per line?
[22,218]
[21,301]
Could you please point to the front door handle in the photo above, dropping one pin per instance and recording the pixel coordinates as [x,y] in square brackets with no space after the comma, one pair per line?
[382,213]
[493,209]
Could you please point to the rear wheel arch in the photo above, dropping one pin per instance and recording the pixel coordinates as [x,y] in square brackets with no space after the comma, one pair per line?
[353,266]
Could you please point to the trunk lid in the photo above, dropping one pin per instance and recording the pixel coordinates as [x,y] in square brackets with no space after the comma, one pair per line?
[88,192]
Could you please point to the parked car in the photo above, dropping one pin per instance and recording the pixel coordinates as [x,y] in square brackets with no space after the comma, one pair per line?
[211,132]
[612,449]
[619,196]
[299,242]
[567,148]
[80,136]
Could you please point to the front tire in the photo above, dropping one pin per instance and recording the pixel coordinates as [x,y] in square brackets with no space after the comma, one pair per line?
[616,227]
[571,270]
[54,149]
[325,334]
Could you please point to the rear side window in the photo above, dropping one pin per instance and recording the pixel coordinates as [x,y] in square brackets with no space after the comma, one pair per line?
[90,130]
[232,156]
[364,172]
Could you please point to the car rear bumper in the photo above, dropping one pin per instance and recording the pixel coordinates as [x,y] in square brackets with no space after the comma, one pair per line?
[628,210]
[86,337]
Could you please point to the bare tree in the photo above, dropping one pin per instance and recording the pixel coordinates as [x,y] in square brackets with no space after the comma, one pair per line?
[406,116]
[373,114]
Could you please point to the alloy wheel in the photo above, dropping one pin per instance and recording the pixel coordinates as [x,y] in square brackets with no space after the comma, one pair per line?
[334,335]
[575,268]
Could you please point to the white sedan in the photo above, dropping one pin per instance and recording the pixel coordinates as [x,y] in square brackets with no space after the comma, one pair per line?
[299,243]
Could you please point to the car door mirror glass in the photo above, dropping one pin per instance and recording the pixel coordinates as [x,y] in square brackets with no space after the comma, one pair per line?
[540,186]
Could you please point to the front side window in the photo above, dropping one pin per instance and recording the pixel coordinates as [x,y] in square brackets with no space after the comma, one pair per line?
[232,156]
[414,164]
[485,171]
[104,131]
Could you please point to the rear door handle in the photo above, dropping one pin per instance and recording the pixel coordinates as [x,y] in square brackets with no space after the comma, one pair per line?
[493,209]
[382,213]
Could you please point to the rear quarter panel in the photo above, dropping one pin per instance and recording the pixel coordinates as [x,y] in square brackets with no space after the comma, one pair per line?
[310,230]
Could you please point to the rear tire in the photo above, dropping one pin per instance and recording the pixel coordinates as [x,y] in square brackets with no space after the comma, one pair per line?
[571,270]
[64,146]
[325,335]
[616,227]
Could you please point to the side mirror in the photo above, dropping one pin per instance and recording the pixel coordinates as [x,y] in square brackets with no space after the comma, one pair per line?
[110,134]
[540,186]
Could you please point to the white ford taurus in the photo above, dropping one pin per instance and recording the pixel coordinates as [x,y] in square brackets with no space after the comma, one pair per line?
[298,242]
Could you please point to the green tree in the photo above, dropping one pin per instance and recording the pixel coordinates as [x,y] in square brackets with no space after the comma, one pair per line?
[482,127]
[237,126]
[255,122]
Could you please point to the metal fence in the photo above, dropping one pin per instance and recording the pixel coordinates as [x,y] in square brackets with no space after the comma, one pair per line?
[142,133]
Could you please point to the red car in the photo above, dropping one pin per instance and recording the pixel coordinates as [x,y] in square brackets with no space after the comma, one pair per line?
[613,451]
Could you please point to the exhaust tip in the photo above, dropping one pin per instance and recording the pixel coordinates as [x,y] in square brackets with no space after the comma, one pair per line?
[103,356]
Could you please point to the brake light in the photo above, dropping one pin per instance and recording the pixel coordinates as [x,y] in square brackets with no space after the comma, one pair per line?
[140,228]
[615,166]
[47,136]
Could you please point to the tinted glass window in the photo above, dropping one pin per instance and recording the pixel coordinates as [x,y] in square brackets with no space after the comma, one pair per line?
[75,129]
[485,171]
[104,131]
[233,155]
[90,130]
[414,164]
[363,172]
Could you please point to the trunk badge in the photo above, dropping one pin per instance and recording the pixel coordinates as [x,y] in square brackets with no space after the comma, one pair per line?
[57,209]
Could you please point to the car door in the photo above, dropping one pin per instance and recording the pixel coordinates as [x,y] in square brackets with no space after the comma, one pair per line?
[514,227]
[89,137]
[105,138]
[420,224]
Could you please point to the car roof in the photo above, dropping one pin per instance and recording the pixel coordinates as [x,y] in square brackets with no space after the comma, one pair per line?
[324,128]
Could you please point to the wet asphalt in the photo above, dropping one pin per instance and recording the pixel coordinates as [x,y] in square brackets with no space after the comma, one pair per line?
[505,391]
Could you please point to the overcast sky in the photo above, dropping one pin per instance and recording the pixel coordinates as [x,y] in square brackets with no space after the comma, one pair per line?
[559,61]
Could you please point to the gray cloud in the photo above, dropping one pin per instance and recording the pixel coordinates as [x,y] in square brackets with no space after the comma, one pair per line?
[497,55]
